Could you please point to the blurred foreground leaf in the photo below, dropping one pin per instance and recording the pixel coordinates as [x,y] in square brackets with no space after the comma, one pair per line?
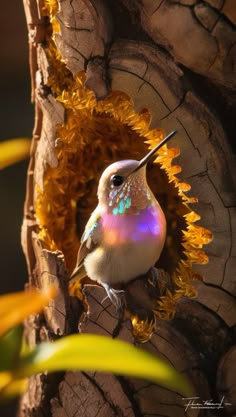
[81,352]
[86,352]
[10,347]
[15,307]
[14,150]
[11,388]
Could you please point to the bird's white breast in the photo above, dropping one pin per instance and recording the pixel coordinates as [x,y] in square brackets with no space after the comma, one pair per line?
[129,246]
[121,264]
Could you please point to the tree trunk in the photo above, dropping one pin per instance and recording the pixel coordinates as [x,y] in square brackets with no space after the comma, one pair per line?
[107,76]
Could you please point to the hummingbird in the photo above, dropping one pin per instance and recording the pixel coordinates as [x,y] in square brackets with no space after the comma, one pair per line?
[125,234]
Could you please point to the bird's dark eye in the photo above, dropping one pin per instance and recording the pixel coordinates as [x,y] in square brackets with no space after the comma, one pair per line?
[117,180]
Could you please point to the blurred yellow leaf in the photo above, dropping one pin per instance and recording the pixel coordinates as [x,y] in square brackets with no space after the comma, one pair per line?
[5,378]
[88,352]
[15,307]
[14,150]
[12,387]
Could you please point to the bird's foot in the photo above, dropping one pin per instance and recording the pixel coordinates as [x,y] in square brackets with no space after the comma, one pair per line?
[114,296]
[155,276]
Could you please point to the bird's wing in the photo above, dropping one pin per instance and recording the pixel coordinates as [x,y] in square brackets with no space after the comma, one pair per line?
[89,241]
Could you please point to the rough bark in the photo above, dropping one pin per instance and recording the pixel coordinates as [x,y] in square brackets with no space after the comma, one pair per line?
[175,58]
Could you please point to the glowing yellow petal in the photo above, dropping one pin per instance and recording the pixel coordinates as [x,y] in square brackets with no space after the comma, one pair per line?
[192,217]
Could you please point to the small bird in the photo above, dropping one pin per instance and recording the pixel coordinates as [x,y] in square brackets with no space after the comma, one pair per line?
[125,234]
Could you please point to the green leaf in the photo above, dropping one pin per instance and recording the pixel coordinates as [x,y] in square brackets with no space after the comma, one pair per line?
[98,353]
[10,347]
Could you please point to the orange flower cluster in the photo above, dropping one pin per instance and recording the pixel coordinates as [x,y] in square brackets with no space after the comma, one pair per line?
[95,134]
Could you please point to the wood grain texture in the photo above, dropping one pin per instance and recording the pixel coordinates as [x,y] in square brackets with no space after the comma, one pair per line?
[85,31]
[202,38]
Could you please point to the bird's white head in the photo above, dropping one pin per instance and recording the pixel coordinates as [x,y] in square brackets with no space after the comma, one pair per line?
[123,187]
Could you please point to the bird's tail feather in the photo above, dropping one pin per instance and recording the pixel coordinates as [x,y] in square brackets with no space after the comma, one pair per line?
[78,273]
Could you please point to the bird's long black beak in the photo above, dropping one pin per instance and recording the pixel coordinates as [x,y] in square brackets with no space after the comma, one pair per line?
[145,160]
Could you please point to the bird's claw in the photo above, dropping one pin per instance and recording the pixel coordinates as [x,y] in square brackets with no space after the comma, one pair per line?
[112,294]
[154,274]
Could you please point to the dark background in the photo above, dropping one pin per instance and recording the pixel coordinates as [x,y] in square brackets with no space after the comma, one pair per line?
[16,117]
[16,120]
